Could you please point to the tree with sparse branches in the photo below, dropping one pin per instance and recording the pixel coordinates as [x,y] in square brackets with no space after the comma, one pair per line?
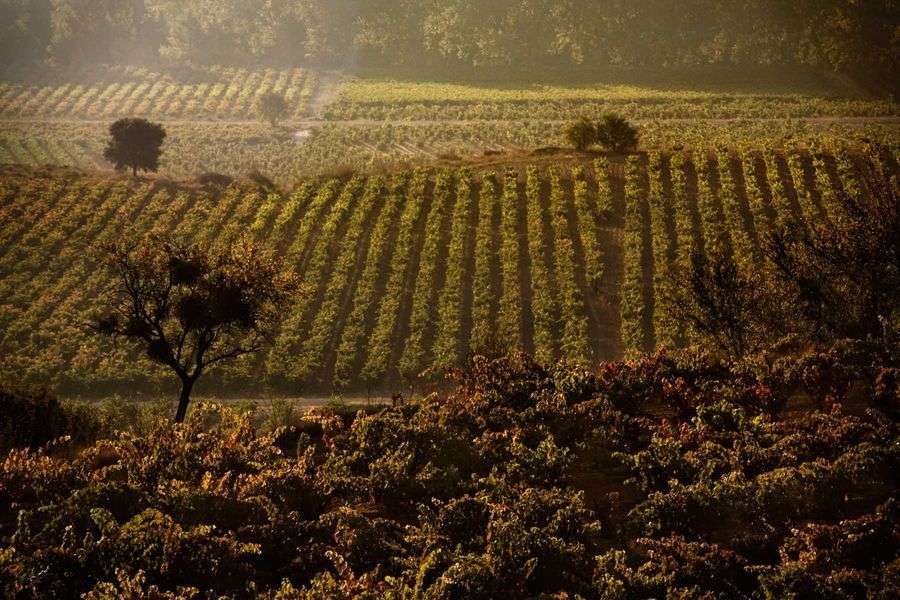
[135,144]
[581,134]
[616,134]
[843,277]
[273,108]
[836,279]
[191,308]
[724,307]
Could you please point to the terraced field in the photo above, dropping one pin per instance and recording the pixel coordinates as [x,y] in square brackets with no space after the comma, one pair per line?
[565,257]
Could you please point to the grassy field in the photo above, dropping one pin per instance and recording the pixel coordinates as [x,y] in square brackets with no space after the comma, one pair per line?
[564,257]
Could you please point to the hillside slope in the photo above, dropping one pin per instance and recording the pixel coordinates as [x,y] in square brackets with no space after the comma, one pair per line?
[561,256]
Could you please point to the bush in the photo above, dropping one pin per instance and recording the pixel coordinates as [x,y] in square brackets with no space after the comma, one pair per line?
[273,108]
[214,182]
[32,419]
[616,134]
[582,134]
[515,484]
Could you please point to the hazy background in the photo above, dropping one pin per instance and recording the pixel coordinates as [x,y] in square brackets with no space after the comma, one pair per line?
[489,39]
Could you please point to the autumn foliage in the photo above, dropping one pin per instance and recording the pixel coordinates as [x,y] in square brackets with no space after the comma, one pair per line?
[663,477]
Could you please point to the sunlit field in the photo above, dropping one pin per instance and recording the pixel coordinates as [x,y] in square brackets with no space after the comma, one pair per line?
[564,257]
[109,91]
[399,100]
[372,125]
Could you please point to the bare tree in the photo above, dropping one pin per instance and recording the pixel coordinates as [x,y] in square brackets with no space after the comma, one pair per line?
[192,308]
[836,279]
[724,307]
[843,278]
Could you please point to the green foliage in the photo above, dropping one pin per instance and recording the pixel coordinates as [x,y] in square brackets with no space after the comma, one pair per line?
[273,108]
[581,134]
[135,144]
[379,259]
[190,308]
[480,35]
[616,134]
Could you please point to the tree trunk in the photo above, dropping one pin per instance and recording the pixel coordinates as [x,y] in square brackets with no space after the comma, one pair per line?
[186,386]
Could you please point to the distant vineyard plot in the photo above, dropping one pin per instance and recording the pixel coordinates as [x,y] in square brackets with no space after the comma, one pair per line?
[565,257]
[214,93]
[339,123]
[405,101]
[288,154]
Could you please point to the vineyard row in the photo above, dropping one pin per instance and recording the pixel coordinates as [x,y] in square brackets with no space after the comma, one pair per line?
[226,94]
[406,272]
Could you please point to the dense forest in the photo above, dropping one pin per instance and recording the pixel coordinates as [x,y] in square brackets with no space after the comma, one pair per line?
[859,39]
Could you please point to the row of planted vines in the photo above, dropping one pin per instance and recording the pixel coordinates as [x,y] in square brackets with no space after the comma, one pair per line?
[215,93]
[239,146]
[408,271]
[398,100]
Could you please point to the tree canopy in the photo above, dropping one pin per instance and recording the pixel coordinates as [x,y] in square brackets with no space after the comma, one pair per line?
[135,144]
[191,308]
[273,108]
[855,38]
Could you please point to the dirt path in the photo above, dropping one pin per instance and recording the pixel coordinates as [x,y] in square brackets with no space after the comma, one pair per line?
[591,305]
[326,93]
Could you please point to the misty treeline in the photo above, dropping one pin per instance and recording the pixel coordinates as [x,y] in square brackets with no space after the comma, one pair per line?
[859,39]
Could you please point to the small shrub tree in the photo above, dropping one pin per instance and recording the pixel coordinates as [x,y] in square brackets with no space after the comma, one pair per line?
[616,134]
[191,308]
[135,144]
[582,134]
[836,279]
[724,307]
[842,278]
[29,419]
[273,108]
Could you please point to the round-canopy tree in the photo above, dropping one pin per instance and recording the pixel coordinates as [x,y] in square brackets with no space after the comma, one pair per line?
[616,134]
[135,144]
[582,134]
[273,108]
[191,308]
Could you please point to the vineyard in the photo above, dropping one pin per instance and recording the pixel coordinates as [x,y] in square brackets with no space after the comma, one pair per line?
[216,93]
[402,272]
[462,299]
[337,123]
[236,149]
[412,101]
